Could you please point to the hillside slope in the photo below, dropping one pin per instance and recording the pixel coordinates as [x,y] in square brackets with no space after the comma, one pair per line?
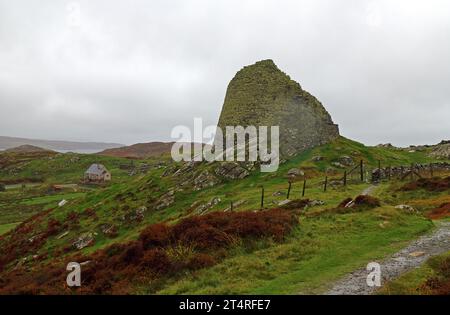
[56,145]
[92,223]
[140,150]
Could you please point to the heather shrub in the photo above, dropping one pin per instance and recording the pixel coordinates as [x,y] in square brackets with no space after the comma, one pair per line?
[156,260]
[156,235]
[367,201]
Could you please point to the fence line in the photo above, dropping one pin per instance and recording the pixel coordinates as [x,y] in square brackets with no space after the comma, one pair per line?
[377,174]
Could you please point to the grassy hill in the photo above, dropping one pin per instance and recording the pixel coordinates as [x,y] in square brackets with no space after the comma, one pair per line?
[112,220]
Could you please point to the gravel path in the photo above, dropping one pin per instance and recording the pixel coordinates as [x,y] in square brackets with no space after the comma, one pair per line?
[415,254]
[368,190]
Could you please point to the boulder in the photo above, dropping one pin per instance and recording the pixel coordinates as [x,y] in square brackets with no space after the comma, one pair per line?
[338,164]
[205,180]
[165,200]
[205,207]
[84,240]
[317,158]
[293,172]
[416,254]
[284,202]
[136,215]
[315,202]
[406,208]
[109,230]
[346,160]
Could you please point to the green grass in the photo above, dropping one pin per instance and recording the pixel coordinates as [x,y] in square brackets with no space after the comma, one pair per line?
[319,252]
[5,228]
[410,282]
[54,199]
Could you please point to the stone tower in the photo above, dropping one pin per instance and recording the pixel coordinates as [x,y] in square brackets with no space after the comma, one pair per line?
[263,95]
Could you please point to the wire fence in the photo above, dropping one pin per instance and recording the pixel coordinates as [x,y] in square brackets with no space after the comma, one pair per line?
[360,173]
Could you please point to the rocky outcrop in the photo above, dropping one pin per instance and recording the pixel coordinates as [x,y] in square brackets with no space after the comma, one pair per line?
[84,240]
[441,151]
[231,170]
[263,95]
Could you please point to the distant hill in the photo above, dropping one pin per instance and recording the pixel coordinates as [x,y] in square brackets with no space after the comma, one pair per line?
[27,149]
[55,145]
[140,150]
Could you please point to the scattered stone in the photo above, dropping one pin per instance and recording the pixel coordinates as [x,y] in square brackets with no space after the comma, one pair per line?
[338,164]
[109,230]
[168,171]
[295,172]
[204,180]
[84,240]
[136,215]
[205,207]
[441,151]
[406,208]
[284,202]
[346,160]
[417,254]
[335,183]
[235,205]
[62,203]
[385,145]
[279,193]
[317,158]
[316,202]
[165,201]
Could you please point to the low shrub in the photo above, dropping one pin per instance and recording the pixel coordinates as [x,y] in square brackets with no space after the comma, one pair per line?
[367,201]
[439,283]
[200,261]
[156,235]
[296,204]
[442,211]
[435,184]
[156,260]
[160,250]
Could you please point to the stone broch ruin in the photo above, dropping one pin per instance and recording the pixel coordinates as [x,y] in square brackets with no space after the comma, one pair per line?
[263,95]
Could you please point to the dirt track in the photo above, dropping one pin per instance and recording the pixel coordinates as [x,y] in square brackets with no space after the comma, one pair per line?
[412,256]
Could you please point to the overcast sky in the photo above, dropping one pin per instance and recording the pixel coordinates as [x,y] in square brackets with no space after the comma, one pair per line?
[129,71]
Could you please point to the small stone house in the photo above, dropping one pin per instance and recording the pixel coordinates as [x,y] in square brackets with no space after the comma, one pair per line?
[97,173]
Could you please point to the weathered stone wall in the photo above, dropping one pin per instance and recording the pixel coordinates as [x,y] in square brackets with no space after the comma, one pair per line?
[263,95]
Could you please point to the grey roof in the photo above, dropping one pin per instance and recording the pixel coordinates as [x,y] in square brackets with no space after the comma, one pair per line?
[98,169]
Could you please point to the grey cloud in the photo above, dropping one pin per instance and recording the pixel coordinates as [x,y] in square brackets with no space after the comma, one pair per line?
[132,70]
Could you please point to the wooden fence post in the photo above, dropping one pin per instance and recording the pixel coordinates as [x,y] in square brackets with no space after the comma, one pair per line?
[289,190]
[325,185]
[412,171]
[431,169]
[231,205]
[262,197]
[389,173]
[304,187]
[361,170]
